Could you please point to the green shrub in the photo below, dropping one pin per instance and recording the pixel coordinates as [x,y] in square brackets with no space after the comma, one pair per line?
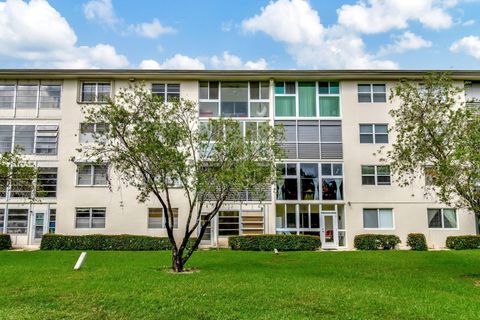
[417,241]
[268,242]
[123,242]
[5,242]
[463,242]
[375,241]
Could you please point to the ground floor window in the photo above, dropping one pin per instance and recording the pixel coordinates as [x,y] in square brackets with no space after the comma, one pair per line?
[2,220]
[156,218]
[52,221]
[378,218]
[17,221]
[228,223]
[90,218]
[442,218]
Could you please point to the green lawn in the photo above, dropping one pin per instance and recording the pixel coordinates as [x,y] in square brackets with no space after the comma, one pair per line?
[242,285]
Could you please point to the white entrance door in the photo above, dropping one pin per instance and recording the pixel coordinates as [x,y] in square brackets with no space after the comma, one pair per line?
[207,239]
[329,230]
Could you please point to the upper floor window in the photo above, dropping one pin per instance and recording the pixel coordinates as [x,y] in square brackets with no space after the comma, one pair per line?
[373,133]
[90,218]
[234,99]
[30,96]
[29,139]
[305,181]
[47,182]
[376,175]
[92,174]
[156,218]
[442,218]
[89,130]
[95,91]
[329,99]
[166,91]
[372,93]
[378,218]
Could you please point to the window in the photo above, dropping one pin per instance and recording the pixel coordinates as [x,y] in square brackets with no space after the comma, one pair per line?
[234,99]
[208,98]
[376,175]
[27,96]
[47,182]
[95,91]
[90,218]
[40,139]
[24,138]
[50,96]
[156,218]
[46,139]
[373,133]
[285,96]
[52,221]
[372,93]
[7,96]
[301,181]
[429,172]
[92,174]
[20,187]
[2,220]
[442,219]
[259,99]
[377,218]
[88,131]
[307,105]
[228,223]
[17,221]
[329,99]
[167,92]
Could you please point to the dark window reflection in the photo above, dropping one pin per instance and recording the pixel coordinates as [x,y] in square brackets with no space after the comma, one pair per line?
[332,189]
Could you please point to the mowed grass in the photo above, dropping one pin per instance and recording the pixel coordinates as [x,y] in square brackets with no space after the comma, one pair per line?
[242,285]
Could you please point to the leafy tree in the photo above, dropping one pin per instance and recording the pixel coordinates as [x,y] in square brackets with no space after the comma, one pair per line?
[18,175]
[437,133]
[160,147]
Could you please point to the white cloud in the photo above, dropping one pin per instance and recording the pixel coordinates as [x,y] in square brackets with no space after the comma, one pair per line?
[231,61]
[374,16]
[469,45]
[152,29]
[101,10]
[297,25]
[26,33]
[467,23]
[405,42]
[178,61]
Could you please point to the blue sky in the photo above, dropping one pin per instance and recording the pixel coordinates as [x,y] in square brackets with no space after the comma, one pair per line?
[248,34]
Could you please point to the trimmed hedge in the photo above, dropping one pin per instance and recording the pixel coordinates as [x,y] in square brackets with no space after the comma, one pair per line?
[123,242]
[463,242]
[375,241]
[268,242]
[417,242]
[5,242]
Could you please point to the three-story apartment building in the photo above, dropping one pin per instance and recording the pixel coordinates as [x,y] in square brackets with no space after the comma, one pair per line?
[332,183]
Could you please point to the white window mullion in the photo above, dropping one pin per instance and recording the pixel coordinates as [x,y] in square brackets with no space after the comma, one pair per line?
[92,173]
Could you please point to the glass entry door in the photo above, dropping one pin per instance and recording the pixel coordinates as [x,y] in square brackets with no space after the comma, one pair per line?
[329,230]
[207,236]
[39,226]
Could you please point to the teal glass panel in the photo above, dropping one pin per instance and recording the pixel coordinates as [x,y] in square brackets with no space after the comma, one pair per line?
[323,87]
[334,88]
[285,106]
[306,99]
[329,106]
[279,88]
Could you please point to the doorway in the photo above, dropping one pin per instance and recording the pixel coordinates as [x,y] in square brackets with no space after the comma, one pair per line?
[329,231]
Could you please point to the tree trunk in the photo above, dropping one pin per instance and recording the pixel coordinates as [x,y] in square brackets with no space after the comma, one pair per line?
[477,222]
[177,263]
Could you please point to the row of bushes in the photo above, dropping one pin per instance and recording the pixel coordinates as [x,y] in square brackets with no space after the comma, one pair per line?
[375,241]
[124,242]
[463,242]
[5,242]
[281,242]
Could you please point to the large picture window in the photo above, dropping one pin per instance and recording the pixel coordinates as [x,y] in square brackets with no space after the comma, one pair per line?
[29,139]
[442,218]
[17,221]
[42,95]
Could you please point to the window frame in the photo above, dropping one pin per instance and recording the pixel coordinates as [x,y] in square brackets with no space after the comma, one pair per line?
[36,135]
[92,174]
[96,83]
[372,93]
[90,223]
[39,84]
[375,175]
[166,97]
[378,219]
[163,224]
[374,133]
[442,215]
